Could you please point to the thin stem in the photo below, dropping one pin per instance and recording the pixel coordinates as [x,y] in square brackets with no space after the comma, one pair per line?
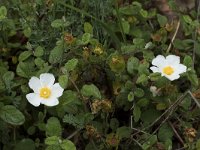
[14,135]
[174,36]
[77,89]
[73,134]
[176,133]
[170,109]
[195,100]
[45,112]
[140,145]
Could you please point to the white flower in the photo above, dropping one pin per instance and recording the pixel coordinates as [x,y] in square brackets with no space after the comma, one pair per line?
[169,67]
[45,91]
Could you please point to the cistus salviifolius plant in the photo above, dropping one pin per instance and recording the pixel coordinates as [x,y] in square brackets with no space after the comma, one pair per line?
[99,75]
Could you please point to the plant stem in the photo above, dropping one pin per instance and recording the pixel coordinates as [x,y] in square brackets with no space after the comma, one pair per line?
[174,36]
[77,89]
[73,134]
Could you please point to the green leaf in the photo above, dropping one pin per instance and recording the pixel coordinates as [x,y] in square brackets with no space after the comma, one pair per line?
[86,38]
[91,90]
[63,81]
[25,69]
[143,102]
[144,13]
[53,140]
[186,103]
[183,44]
[69,97]
[165,132]
[88,28]
[192,76]
[124,132]
[79,120]
[161,106]
[127,49]
[138,92]
[59,23]
[130,96]
[2,85]
[39,62]
[3,12]
[139,43]
[142,79]
[143,68]
[56,54]
[114,124]
[162,20]
[12,115]
[187,19]
[7,78]
[136,113]
[53,127]
[198,144]
[154,76]
[150,142]
[132,65]
[67,145]
[53,147]
[27,32]
[71,64]
[188,61]
[126,26]
[31,130]
[149,115]
[24,55]
[130,9]
[39,51]
[27,144]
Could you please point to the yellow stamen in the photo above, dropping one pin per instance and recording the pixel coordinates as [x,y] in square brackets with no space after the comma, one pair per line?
[168,70]
[45,92]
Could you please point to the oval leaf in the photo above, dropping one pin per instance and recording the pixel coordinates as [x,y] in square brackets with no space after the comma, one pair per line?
[91,90]
[12,115]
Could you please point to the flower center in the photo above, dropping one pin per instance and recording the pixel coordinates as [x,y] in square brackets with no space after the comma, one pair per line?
[45,92]
[168,70]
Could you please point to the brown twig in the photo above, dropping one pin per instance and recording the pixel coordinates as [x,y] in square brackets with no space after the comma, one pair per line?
[73,134]
[170,110]
[176,133]
[174,36]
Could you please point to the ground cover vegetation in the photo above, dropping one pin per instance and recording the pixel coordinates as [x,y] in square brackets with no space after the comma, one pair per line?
[99,74]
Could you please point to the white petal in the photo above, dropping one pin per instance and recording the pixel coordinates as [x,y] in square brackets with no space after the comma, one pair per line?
[180,68]
[155,69]
[50,101]
[34,83]
[57,90]
[172,59]
[159,61]
[34,99]
[47,79]
[172,77]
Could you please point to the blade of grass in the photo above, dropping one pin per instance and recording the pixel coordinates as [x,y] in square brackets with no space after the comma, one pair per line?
[120,21]
[104,25]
